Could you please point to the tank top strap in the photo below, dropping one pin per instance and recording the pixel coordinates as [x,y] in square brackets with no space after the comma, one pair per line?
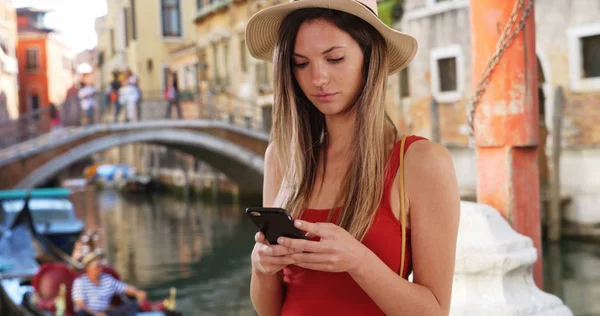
[394,159]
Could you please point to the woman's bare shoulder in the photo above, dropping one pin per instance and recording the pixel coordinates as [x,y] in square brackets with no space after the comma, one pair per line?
[429,170]
[425,153]
[272,176]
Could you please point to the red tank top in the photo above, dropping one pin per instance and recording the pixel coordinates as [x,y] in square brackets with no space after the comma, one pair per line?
[310,292]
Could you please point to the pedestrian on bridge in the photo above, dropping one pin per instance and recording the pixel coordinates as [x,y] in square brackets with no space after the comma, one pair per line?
[133,80]
[87,100]
[172,96]
[128,97]
[113,94]
[376,204]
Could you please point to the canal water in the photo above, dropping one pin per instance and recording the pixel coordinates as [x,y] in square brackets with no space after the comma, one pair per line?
[203,250]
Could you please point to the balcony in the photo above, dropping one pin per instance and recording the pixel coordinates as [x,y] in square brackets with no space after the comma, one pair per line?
[214,7]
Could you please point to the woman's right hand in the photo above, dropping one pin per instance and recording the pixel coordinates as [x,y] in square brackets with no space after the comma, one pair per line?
[269,259]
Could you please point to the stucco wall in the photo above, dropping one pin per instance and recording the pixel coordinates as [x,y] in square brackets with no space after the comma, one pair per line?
[444,24]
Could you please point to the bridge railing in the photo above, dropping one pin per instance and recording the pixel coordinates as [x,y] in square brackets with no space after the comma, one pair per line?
[26,127]
[223,107]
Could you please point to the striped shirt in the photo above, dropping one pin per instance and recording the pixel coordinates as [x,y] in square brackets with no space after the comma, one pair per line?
[97,297]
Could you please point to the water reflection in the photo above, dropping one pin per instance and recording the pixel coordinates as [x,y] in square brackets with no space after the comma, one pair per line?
[572,272]
[202,249]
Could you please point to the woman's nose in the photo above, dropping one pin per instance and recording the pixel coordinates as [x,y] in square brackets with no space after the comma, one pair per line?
[319,75]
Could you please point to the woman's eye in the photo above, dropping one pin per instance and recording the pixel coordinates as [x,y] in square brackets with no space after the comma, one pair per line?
[300,65]
[336,60]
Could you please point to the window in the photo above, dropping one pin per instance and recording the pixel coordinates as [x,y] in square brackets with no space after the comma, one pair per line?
[4,45]
[215,67]
[37,21]
[171,18]
[112,41]
[590,48]
[221,64]
[166,72]
[126,26]
[190,79]
[225,66]
[404,92]
[34,103]
[584,64]
[262,77]
[100,58]
[447,73]
[133,28]
[32,59]
[433,7]
[434,2]
[197,77]
[243,54]
[203,76]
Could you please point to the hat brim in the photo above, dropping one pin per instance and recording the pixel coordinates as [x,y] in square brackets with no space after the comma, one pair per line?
[263,28]
[86,261]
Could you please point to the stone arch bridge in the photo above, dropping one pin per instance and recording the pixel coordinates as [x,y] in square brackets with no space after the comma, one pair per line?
[235,151]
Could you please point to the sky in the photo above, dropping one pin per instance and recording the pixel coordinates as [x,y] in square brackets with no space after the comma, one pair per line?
[74,19]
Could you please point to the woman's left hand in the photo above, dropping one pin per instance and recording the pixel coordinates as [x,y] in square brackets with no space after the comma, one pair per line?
[336,251]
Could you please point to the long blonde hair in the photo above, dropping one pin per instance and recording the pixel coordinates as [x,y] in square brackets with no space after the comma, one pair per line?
[299,129]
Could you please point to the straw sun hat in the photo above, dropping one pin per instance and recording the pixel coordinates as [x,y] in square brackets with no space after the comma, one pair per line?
[263,28]
[87,259]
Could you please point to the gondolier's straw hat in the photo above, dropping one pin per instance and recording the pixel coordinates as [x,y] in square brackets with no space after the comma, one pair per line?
[87,259]
[263,28]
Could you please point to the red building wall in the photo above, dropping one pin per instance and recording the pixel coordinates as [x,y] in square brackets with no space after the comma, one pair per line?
[33,82]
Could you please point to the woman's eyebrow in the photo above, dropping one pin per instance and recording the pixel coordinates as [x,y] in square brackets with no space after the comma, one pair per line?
[329,50]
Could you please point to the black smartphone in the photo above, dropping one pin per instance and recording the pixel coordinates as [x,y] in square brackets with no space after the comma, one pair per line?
[274,223]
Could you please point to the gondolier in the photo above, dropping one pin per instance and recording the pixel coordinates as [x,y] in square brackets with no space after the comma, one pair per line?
[92,292]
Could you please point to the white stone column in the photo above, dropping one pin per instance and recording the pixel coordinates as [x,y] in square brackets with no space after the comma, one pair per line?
[493,273]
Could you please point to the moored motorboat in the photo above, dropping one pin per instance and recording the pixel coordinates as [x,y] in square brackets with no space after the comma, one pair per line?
[139,183]
[52,212]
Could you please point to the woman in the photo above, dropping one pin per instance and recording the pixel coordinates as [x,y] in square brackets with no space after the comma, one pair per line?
[334,164]
[172,96]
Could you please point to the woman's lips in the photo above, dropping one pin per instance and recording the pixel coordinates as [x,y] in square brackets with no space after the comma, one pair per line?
[325,97]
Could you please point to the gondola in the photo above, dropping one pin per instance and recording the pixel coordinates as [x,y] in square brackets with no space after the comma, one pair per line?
[45,290]
[52,211]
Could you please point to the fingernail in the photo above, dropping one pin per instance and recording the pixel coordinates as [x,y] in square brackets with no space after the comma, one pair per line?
[280,240]
[298,223]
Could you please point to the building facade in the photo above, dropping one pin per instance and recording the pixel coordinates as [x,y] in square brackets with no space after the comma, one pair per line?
[568,56]
[233,85]
[140,35]
[183,63]
[45,63]
[9,98]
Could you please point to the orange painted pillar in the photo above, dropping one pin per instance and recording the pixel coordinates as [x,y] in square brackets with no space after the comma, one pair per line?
[506,120]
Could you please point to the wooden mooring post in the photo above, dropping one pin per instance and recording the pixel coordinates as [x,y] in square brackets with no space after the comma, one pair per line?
[506,118]
[555,215]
